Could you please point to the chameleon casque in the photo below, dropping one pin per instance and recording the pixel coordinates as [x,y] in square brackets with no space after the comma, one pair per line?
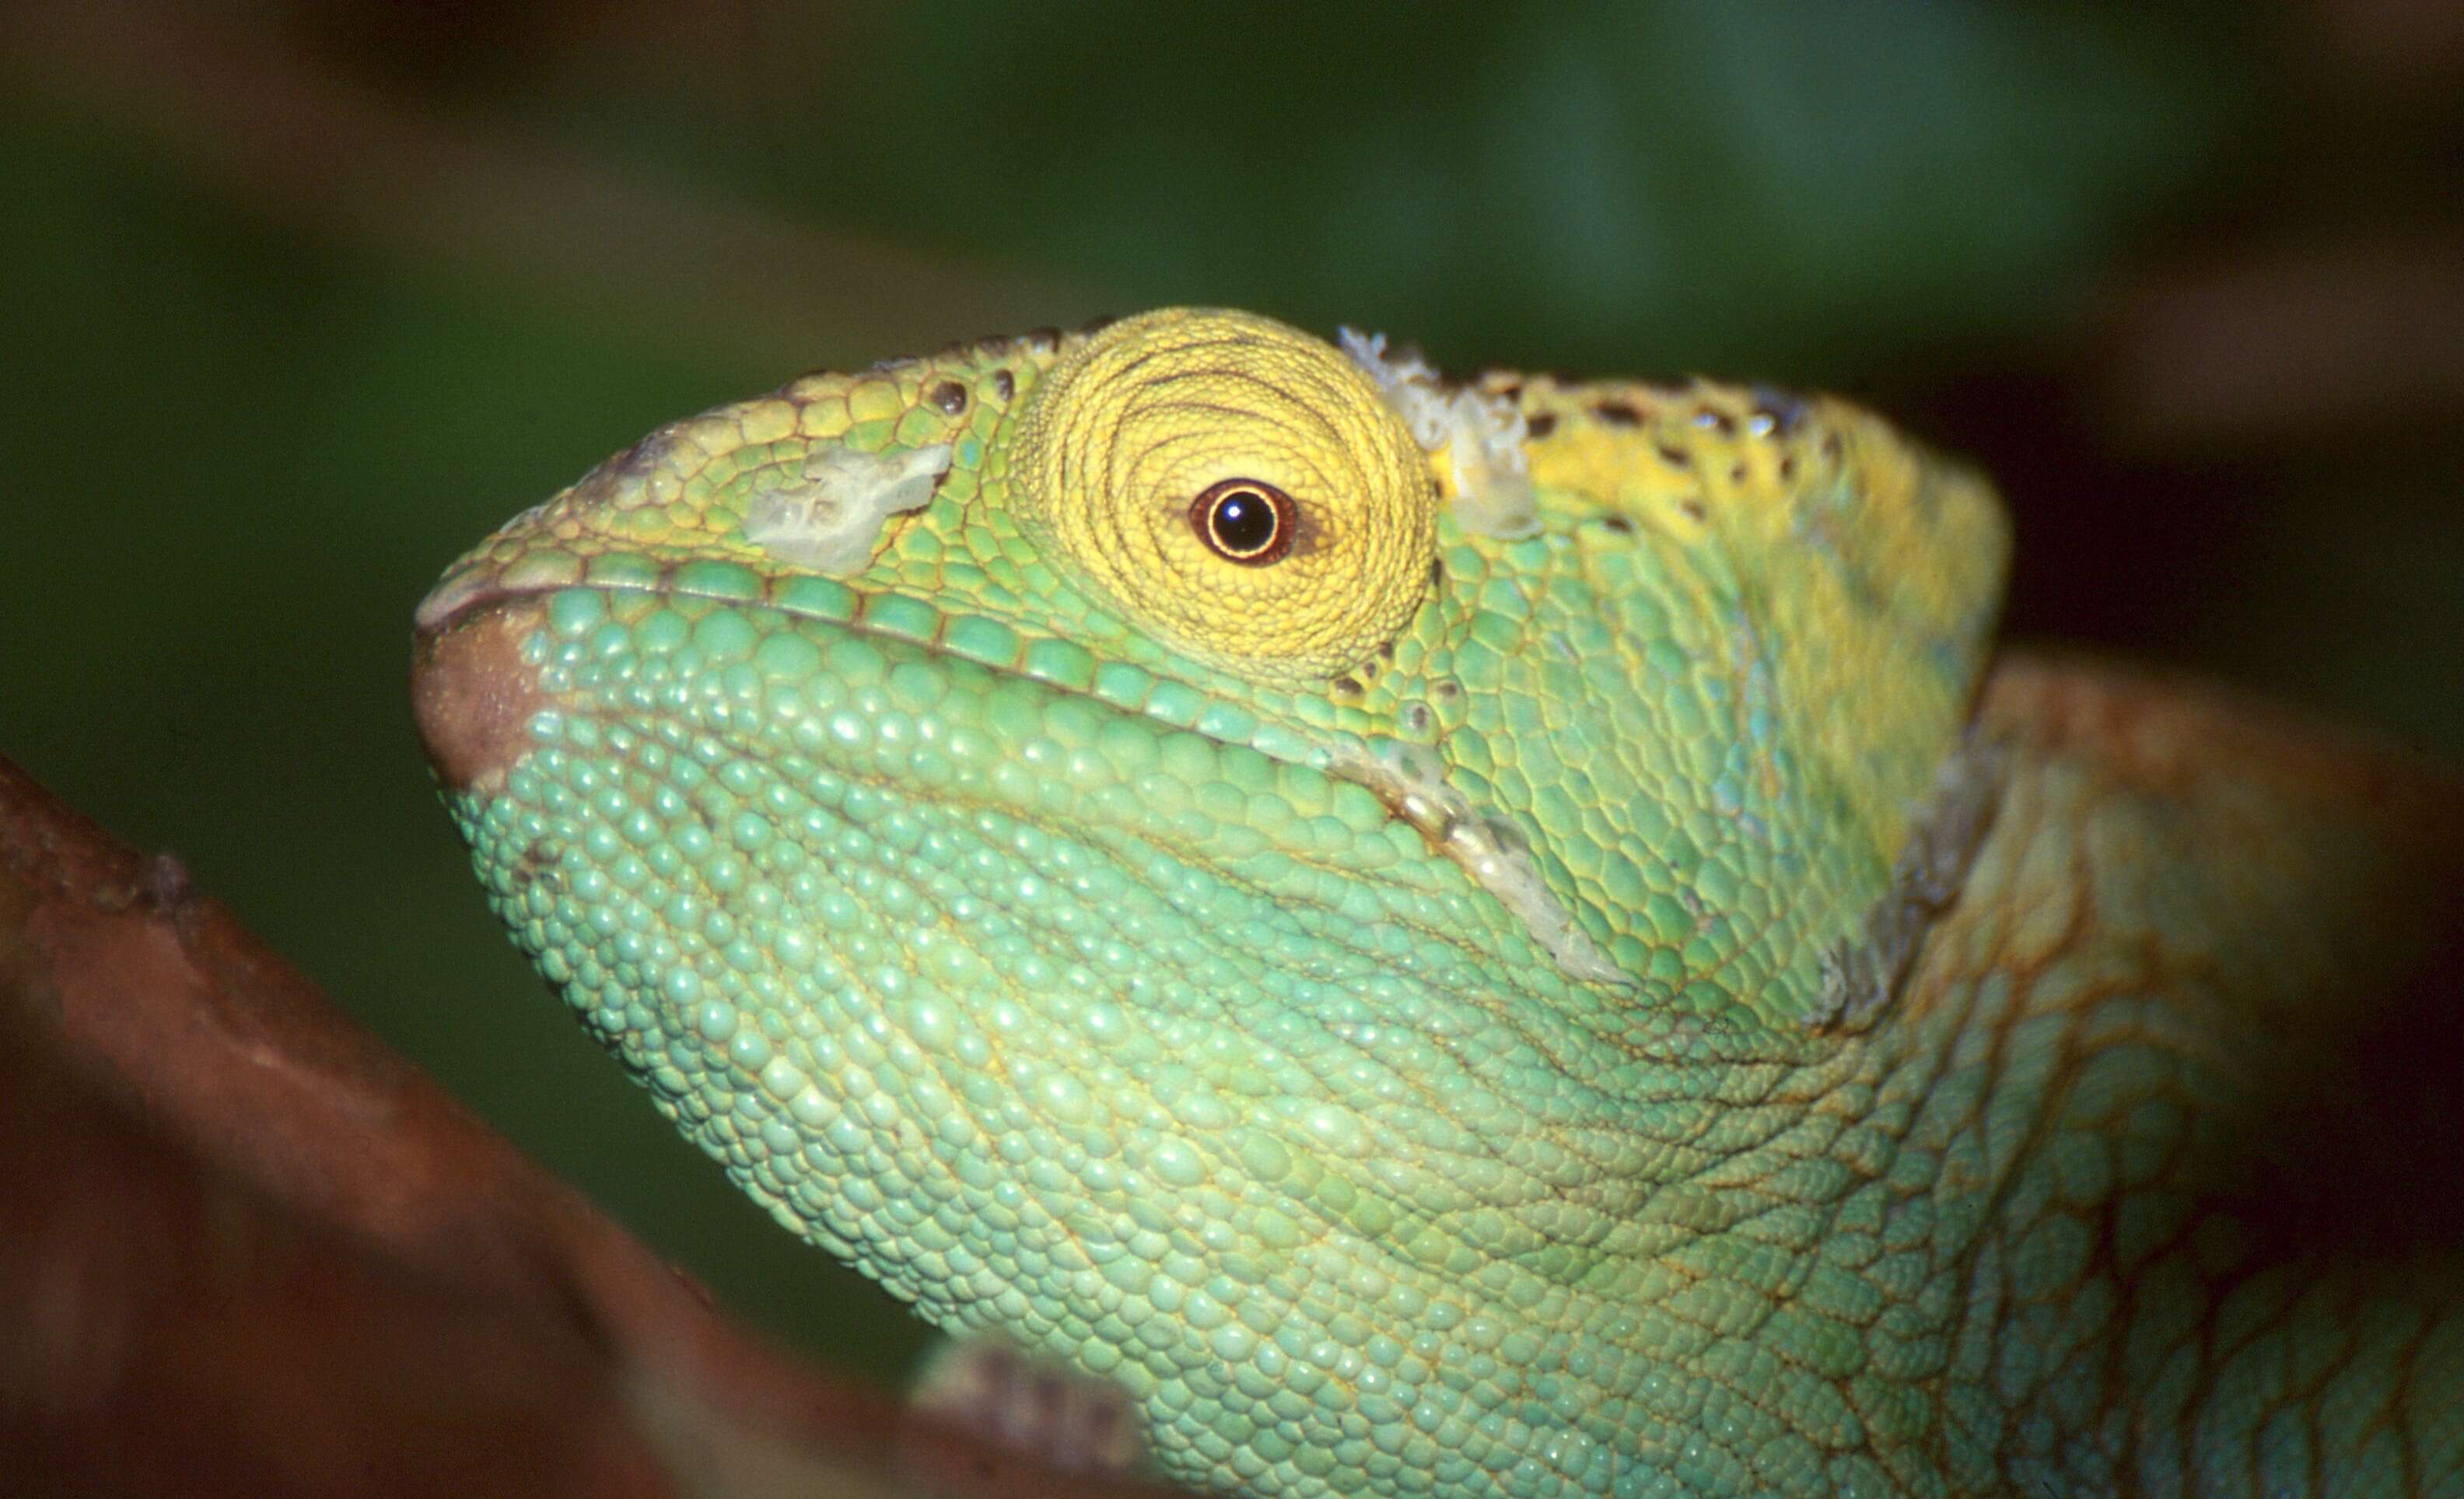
[1463,940]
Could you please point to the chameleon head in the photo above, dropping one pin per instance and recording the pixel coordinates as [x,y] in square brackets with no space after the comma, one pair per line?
[1202,852]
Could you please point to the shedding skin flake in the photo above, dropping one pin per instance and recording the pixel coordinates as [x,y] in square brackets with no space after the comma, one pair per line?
[830,520]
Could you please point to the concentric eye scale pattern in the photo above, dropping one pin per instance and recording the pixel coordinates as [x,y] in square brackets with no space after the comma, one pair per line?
[1174,403]
[1465,938]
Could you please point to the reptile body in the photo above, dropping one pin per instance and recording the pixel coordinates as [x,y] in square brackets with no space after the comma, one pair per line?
[1462,941]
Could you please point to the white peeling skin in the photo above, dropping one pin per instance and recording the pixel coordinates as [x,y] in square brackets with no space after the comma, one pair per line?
[828,518]
[1482,436]
[1410,778]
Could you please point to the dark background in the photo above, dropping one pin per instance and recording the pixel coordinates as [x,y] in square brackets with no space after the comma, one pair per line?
[298,301]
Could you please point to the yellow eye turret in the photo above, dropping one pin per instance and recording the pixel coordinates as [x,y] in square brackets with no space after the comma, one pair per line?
[1233,485]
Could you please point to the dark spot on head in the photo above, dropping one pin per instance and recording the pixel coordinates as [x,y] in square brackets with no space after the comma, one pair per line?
[1508,387]
[1416,717]
[1447,687]
[535,863]
[1540,424]
[1673,455]
[1692,509]
[1618,524]
[1043,341]
[1787,468]
[1385,651]
[1003,386]
[1831,446]
[1737,472]
[950,396]
[1436,571]
[1715,421]
[1618,413]
[1345,687]
[1784,410]
[647,453]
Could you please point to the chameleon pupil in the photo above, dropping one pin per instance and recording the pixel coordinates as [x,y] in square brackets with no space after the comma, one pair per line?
[1244,520]
[1243,524]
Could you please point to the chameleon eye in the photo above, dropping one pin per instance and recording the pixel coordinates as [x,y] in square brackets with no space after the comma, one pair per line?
[1155,452]
[1248,521]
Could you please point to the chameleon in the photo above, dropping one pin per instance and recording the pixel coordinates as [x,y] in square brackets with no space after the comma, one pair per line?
[1487,937]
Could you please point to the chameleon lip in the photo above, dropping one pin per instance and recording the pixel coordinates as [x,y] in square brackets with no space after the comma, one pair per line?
[497,616]
[461,591]
[1168,702]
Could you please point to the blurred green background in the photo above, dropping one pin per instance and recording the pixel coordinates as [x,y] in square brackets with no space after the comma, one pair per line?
[296,301]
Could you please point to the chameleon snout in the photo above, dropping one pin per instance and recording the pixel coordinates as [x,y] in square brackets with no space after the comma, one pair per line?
[473,694]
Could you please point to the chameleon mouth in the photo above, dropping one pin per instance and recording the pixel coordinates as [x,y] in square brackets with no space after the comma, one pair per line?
[474,689]
[480,681]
